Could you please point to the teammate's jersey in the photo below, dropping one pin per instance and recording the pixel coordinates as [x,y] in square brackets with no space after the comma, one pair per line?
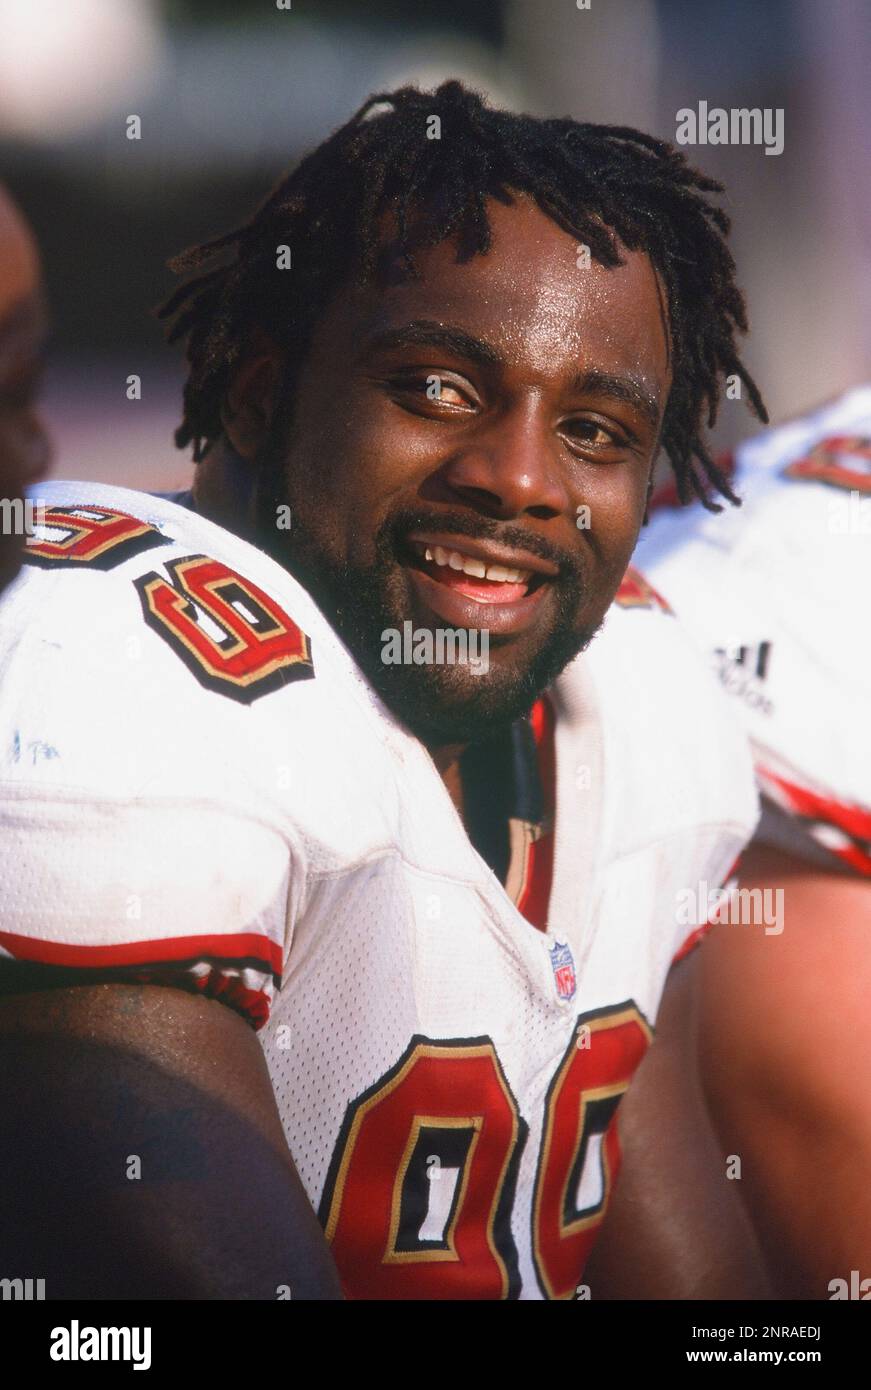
[776,592]
[200,788]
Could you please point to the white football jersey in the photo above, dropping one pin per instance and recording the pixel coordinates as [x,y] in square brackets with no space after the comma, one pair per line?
[199,787]
[776,594]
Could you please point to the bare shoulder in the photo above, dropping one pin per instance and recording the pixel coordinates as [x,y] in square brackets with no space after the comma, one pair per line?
[146,1132]
[785,1051]
[787,993]
[156,1033]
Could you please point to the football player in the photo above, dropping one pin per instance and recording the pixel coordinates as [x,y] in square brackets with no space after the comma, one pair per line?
[23,442]
[346,814]
[776,595]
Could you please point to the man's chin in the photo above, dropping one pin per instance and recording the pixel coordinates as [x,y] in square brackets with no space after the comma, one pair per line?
[443,705]
[467,701]
[443,696]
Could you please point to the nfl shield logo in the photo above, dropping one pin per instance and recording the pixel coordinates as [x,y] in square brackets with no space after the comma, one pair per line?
[563,966]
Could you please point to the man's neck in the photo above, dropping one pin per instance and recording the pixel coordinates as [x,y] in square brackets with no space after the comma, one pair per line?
[447,760]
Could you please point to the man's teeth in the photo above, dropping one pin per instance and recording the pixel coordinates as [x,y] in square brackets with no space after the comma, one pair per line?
[469,564]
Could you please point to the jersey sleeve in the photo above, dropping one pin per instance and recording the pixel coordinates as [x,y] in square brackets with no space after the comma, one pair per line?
[688,803]
[133,846]
[152,890]
[775,594]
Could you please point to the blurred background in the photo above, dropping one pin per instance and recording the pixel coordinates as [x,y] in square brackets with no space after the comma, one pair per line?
[231,92]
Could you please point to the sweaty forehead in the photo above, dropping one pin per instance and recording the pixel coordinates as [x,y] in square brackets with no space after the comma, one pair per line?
[535,296]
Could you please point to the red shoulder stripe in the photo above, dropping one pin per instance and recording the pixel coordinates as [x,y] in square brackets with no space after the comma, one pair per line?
[243,946]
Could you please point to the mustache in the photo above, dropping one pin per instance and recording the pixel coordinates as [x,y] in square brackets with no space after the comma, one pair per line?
[392,535]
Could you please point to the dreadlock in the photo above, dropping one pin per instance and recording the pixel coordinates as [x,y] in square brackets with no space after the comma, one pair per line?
[599,183]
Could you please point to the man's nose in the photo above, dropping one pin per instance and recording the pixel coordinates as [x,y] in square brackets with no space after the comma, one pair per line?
[509,469]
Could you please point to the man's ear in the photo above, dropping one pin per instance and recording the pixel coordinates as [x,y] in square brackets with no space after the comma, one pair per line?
[249,406]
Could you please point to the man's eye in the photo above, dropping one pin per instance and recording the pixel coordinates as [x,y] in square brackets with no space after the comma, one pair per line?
[432,387]
[592,432]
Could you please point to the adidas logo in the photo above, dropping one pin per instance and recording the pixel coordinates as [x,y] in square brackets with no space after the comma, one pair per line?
[743,670]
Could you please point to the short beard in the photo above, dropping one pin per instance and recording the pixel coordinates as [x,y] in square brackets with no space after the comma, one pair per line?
[440,704]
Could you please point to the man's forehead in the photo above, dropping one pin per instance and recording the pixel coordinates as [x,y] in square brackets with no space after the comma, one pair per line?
[534,295]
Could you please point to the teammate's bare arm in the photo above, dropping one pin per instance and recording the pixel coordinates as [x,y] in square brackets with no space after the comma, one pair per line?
[786,1053]
[147,1159]
[676,1228]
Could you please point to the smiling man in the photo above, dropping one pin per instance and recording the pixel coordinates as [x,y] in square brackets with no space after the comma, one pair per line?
[428,382]
[439,503]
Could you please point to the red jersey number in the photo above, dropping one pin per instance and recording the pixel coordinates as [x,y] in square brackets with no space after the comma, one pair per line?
[419,1198]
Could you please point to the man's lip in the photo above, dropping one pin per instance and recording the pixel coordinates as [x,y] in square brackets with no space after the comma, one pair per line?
[489,551]
[498,619]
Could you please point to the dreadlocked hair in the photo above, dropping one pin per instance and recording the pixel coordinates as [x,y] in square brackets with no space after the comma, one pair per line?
[603,185]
